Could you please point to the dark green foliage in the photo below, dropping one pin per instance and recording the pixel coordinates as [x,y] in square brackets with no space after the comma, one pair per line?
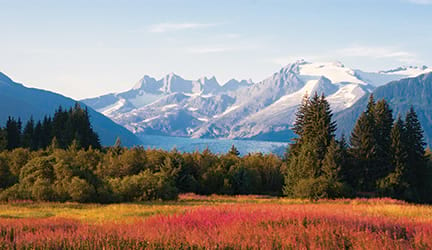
[6,178]
[383,126]
[370,146]
[312,170]
[13,133]
[125,175]
[419,173]
[395,184]
[331,168]
[384,159]
[28,136]
[66,126]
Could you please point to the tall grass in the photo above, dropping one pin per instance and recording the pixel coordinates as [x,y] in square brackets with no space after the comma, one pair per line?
[221,222]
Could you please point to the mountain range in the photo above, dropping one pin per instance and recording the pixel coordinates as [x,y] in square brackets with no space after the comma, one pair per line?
[18,101]
[265,110]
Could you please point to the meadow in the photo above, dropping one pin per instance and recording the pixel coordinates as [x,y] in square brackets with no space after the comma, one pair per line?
[222,222]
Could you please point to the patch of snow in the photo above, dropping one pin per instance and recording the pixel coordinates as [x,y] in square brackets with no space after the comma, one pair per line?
[150,119]
[112,108]
[228,110]
[345,97]
[192,109]
[169,106]
[335,72]
[203,119]
[144,99]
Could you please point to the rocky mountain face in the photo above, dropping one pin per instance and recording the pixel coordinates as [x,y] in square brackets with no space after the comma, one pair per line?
[264,110]
[401,95]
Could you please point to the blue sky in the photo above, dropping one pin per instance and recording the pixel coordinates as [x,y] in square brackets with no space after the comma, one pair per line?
[88,48]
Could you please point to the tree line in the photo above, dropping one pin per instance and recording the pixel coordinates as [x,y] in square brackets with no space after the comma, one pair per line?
[382,157]
[64,128]
[120,174]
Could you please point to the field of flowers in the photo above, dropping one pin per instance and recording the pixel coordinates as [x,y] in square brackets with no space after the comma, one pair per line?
[242,222]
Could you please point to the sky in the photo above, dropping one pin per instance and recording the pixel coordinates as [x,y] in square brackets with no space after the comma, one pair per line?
[86,48]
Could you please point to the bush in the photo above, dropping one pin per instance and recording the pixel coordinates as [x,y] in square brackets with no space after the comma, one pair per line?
[144,187]
[81,191]
[42,190]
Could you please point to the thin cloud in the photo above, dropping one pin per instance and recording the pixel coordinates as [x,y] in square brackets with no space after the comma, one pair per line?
[167,27]
[207,50]
[424,2]
[221,49]
[378,53]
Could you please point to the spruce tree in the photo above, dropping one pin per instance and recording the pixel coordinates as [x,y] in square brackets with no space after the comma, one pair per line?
[315,130]
[331,167]
[418,171]
[300,116]
[28,135]
[363,153]
[37,136]
[13,133]
[395,183]
[383,122]
[47,132]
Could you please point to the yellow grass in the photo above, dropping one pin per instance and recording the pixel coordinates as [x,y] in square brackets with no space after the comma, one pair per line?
[97,213]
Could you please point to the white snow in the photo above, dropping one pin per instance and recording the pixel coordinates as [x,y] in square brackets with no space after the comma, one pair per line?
[144,99]
[345,97]
[203,119]
[335,72]
[193,109]
[228,110]
[151,119]
[112,108]
[169,106]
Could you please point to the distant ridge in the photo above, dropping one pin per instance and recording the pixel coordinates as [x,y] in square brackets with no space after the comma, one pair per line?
[19,101]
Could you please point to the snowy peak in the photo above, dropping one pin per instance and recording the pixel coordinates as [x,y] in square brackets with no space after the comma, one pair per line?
[233,85]
[336,72]
[385,76]
[239,109]
[148,84]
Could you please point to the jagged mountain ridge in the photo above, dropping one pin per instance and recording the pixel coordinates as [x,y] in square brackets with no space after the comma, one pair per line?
[265,110]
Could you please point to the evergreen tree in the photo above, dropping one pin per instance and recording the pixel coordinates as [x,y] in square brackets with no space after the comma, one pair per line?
[383,122]
[28,135]
[316,131]
[38,136]
[13,131]
[300,116]
[363,153]
[418,172]
[58,128]
[234,151]
[46,132]
[331,167]
[395,184]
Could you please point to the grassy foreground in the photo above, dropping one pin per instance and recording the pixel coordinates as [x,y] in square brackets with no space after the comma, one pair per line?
[241,222]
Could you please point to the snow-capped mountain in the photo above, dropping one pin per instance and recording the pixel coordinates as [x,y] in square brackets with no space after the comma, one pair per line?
[239,109]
